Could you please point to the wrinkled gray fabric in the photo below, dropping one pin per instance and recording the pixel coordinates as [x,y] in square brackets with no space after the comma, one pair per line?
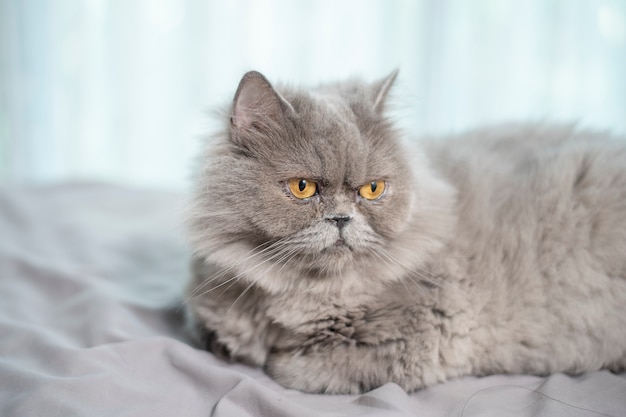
[91,283]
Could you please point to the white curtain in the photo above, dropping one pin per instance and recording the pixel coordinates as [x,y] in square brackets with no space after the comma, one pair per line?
[120,91]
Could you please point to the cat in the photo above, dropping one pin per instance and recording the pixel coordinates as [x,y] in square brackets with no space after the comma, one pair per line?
[339,258]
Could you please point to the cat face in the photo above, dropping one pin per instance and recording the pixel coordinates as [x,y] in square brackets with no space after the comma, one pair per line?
[306,186]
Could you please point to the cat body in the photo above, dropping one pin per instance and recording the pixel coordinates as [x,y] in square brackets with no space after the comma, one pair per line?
[498,251]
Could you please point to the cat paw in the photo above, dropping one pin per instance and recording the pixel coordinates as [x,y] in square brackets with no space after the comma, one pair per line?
[313,373]
[333,330]
[209,341]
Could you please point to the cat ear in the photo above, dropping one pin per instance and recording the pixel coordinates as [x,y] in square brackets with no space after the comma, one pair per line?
[381,89]
[257,106]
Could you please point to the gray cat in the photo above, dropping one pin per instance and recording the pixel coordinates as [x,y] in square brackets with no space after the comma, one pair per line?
[339,259]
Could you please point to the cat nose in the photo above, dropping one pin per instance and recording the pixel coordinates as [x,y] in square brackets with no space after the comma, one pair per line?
[340,220]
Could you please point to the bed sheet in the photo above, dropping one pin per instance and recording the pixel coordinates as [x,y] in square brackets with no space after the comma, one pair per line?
[91,285]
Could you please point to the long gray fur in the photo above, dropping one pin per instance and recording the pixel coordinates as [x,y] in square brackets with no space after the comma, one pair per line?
[502,250]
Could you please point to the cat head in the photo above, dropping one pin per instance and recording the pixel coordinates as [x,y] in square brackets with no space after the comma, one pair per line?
[312,190]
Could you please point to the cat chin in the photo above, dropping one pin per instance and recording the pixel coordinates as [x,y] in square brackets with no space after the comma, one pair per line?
[340,276]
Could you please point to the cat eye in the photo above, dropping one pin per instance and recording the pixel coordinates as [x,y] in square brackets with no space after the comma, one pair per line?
[373,190]
[301,188]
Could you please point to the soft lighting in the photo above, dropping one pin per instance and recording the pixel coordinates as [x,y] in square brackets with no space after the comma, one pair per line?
[612,24]
[166,15]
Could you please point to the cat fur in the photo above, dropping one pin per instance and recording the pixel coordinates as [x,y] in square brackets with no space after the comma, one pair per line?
[501,250]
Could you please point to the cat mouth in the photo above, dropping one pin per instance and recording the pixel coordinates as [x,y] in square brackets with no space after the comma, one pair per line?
[339,250]
[339,246]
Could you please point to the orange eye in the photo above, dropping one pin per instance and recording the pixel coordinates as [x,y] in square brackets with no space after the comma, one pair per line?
[301,188]
[373,190]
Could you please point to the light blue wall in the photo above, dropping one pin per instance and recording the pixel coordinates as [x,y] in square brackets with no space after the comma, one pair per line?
[120,91]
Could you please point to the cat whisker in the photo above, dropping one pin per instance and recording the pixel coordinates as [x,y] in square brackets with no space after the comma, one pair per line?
[287,258]
[274,249]
[192,297]
[239,296]
[274,253]
[409,270]
[383,255]
[387,261]
[225,271]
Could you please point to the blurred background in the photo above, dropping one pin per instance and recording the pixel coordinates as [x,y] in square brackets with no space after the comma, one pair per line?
[121,91]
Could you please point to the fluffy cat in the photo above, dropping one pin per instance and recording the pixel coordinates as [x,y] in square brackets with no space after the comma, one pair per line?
[339,259]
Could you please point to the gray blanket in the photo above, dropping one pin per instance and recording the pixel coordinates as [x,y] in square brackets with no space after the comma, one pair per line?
[91,287]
